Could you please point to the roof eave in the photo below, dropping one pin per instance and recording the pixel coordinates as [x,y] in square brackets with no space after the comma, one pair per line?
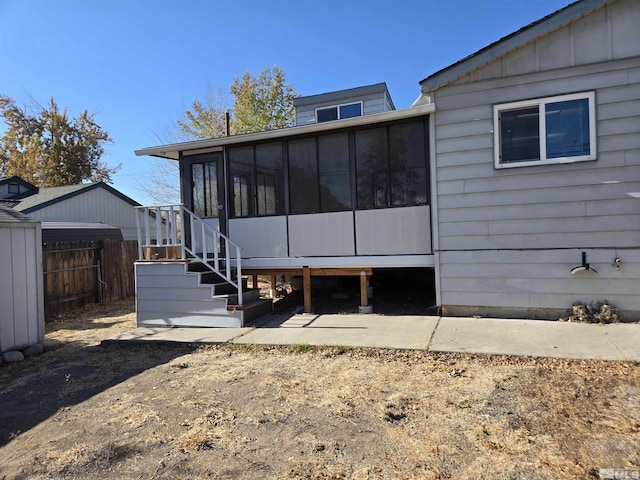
[85,188]
[172,151]
[340,94]
[510,43]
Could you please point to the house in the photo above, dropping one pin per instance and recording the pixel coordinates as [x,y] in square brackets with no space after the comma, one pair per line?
[536,163]
[513,177]
[21,285]
[76,206]
[15,187]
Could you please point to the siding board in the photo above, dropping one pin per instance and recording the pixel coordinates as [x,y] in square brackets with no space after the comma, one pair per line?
[20,286]
[473,241]
[568,225]
[21,315]
[590,174]
[618,110]
[469,157]
[533,85]
[549,195]
[6,292]
[470,143]
[623,125]
[567,209]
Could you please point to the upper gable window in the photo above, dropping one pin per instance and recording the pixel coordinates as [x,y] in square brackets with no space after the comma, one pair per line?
[338,112]
[14,188]
[545,131]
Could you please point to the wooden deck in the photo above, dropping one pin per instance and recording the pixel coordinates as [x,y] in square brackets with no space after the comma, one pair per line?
[307,272]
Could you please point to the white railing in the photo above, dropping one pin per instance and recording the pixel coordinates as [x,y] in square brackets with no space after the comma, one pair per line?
[176,230]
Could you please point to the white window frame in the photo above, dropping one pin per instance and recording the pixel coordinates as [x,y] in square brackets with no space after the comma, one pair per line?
[337,107]
[540,103]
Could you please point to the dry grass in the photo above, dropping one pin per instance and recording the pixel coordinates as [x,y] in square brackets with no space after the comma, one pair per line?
[310,413]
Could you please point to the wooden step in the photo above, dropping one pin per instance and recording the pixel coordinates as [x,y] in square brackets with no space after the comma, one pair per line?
[253,311]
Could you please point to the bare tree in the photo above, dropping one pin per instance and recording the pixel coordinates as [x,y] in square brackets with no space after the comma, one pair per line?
[204,119]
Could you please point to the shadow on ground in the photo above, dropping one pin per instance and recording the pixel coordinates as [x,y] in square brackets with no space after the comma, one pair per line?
[35,389]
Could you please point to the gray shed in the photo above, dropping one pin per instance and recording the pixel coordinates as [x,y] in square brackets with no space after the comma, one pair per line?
[21,282]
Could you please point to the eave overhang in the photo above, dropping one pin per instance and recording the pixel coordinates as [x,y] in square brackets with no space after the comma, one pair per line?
[510,43]
[172,151]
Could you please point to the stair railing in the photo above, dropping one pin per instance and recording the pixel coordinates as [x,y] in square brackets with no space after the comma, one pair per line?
[174,229]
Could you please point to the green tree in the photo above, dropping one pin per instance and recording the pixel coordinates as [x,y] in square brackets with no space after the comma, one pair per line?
[205,119]
[262,103]
[47,148]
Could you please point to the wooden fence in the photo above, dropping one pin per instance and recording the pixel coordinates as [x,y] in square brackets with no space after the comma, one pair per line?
[78,273]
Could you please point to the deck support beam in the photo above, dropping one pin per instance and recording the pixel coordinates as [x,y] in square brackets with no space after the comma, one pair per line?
[307,272]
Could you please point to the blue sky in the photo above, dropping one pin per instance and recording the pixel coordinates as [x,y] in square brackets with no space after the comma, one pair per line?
[137,64]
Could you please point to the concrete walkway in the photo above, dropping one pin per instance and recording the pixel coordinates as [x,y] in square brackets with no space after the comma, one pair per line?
[535,338]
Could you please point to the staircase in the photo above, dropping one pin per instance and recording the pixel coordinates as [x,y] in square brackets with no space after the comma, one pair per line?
[201,288]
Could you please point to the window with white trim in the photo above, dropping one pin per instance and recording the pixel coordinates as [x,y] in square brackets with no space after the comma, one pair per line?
[545,131]
[337,112]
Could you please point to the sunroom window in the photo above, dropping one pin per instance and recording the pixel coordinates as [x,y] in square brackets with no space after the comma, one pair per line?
[257,180]
[545,131]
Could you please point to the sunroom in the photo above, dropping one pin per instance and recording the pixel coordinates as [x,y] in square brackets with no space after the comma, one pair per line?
[338,198]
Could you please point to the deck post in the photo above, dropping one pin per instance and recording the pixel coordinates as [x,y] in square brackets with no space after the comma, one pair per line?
[363,289]
[306,285]
[139,232]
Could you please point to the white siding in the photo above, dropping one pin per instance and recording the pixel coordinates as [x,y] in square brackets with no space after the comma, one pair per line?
[477,200]
[322,234]
[608,33]
[260,236]
[509,238]
[394,231]
[532,281]
[372,103]
[21,290]
[96,205]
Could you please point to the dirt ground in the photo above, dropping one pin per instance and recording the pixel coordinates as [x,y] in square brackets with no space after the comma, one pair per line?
[187,412]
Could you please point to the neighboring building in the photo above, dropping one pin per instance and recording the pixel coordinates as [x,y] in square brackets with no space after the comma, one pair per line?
[353,102]
[80,204]
[15,187]
[21,282]
[515,166]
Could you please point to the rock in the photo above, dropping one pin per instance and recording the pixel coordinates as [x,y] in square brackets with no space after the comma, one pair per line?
[50,344]
[12,356]
[32,350]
